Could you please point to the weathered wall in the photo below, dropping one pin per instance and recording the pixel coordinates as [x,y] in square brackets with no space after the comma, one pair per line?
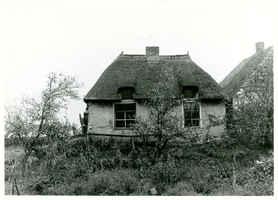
[101,117]
[212,118]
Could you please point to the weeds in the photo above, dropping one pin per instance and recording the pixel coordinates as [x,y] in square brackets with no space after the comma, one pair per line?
[113,182]
[106,167]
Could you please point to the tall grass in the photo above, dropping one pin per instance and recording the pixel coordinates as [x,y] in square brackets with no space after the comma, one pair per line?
[111,167]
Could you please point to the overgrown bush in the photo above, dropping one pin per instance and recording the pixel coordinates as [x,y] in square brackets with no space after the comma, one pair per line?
[12,141]
[164,174]
[114,182]
[182,188]
[250,110]
[67,160]
[84,166]
[259,179]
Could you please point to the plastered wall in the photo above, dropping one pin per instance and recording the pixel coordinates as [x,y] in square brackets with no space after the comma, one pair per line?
[101,116]
[212,118]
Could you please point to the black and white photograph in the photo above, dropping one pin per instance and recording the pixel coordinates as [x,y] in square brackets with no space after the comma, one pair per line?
[138,98]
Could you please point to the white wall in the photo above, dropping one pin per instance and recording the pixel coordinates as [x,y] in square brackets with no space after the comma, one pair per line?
[101,118]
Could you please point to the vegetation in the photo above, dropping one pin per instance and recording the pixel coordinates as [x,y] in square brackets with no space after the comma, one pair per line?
[162,124]
[250,112]
[34,119]
[83,166]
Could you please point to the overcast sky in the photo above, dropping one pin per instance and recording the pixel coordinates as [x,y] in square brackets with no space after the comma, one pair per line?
[82,39]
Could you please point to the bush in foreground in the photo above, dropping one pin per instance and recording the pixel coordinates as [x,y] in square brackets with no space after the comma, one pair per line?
[114,182]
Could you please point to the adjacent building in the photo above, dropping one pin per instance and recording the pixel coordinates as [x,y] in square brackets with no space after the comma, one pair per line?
[249,93]
[253,76]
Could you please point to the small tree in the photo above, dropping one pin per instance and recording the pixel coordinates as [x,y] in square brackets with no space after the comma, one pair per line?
[35,118]
[163,123]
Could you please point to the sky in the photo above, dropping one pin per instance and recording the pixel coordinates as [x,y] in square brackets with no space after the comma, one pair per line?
[82,38]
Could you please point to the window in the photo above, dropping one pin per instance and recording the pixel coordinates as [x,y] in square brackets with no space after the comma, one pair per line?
[191,114]
[126,92]
[125,115]
[190,91]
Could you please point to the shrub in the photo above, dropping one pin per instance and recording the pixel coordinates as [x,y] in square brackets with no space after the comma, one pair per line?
[114,182]
[164,174]
[259,179]
[12,141]
[182,188]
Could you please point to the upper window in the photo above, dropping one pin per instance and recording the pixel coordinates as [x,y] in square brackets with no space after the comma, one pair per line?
[191,114]
[125,115]
[190,91]
[126,92]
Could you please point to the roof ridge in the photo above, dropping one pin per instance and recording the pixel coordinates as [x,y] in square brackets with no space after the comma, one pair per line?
[175,56]
[132,55]
[160,56]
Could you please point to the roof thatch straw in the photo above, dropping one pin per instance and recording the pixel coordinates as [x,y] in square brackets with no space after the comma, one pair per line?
[140,73]
[244,70]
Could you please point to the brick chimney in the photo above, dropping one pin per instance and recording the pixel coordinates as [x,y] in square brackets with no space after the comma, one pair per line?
[152,54]
[259,46]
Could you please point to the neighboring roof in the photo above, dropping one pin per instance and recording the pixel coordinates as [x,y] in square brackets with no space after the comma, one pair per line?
[234,72]
[136,71]
[244,70]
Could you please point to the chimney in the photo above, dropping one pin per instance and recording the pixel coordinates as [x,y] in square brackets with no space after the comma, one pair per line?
[152,54]
[259,46]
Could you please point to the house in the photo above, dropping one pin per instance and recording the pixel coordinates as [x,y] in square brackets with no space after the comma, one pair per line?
[249,91]
[253,72]
[117,98]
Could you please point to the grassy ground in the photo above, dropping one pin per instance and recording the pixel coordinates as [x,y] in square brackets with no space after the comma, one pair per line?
[111,168]
[13,152]
[12,157]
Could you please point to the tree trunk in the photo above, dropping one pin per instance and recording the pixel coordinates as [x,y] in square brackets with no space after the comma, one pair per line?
[234,173]
[24,161]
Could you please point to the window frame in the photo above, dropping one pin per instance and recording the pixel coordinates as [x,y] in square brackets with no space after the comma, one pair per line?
[199,109]
[123,102]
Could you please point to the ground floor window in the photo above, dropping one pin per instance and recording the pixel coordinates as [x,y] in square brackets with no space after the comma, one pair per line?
[191,114]
[125,114]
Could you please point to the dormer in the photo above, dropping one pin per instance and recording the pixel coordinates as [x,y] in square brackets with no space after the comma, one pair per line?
[190,92]
[126,92]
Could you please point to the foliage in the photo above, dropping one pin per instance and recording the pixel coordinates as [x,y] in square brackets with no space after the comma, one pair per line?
[12,156]
[250,113]
[36,118]
[164,174]
[69,167]
[12,141]
[207,169]
[66,160]
[97,166]
[162,123]
[182,188]
[114,182]
[260,178]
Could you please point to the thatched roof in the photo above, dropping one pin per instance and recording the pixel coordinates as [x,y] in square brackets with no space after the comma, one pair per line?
[244,71]
[142,72]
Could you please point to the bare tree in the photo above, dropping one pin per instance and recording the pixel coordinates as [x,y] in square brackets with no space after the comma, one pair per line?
[33,118]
